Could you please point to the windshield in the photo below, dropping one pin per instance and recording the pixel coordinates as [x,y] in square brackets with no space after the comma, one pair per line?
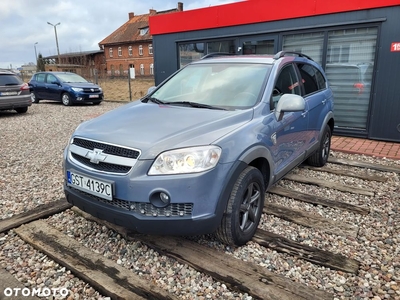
[71,78]
[225,85]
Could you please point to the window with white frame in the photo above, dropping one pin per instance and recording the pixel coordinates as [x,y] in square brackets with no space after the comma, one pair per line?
[119,51]
[140,50]
[151,69]
[110,51]
[141,69]
[150,48]
[130,50]
[144,31]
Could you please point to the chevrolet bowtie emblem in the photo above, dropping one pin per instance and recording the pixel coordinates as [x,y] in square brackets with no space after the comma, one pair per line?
[96,156]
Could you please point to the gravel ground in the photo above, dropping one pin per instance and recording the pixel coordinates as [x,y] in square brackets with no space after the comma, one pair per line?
[30,164]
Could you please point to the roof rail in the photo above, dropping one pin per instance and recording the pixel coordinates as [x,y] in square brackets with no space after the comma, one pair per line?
[290,53]
[214,54]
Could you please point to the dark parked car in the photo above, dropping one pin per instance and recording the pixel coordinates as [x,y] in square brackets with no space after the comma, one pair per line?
[197,154]
[66,87]
[14,93]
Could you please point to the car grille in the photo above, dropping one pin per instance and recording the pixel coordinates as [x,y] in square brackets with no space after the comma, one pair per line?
[108,149]
[147,209]
[91,90]
[112,168]
[117,160]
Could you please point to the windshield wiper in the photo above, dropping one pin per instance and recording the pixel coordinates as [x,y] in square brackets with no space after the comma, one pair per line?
[152,99]
[194,104]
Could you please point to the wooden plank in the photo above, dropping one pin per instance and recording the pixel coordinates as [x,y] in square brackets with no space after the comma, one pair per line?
[313,199]
[103,274]
[310,220]
[331,185]
[311,254]
[9,281]
[39,212]
[346,173]
[239,275]
[361,164]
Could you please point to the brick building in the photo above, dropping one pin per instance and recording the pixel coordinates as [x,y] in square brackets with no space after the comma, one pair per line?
[130,47]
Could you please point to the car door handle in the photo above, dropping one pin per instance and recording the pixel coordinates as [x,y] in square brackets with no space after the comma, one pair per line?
[324,101]
[304,114]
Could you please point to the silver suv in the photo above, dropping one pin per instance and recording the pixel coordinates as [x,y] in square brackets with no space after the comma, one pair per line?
[197,154]
[14,93]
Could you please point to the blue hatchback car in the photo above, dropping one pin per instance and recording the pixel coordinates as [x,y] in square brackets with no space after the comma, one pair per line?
[197,154]
[67,87]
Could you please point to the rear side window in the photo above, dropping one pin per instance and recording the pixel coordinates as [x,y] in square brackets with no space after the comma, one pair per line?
[312,79]
[7,79]
[40,77]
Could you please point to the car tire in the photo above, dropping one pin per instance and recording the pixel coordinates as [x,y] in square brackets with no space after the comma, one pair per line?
[66,99]
[34,98]
[320,157]
[244,209]
[21,110]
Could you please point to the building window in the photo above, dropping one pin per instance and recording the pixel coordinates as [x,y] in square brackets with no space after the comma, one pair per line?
[141,69]
[110,51]
[151,69]
[144,31]
[130,50]
[119,51]
[349,66]
[151,49]
[140,50]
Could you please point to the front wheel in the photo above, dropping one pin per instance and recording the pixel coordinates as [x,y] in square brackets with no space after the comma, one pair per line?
[244,209]
[320,157]
[34,98]
[66,99]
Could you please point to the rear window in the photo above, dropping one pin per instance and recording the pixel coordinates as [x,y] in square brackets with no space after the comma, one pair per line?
[8,79]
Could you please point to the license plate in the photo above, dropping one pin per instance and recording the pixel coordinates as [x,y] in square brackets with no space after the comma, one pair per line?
[8,93]
[90,185]
[93,96]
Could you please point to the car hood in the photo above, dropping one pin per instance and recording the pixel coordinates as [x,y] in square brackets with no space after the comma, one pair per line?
[81,84]
[153,128]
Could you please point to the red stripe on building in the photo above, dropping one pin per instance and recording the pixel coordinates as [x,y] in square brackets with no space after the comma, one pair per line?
[255,11]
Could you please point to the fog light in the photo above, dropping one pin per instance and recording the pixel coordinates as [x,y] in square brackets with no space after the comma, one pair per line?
[164,197]
[79,98]
[132,207]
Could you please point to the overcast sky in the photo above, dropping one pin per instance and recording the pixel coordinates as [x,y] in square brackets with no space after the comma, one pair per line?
[83,24]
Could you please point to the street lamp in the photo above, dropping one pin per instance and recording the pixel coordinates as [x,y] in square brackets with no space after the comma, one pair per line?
[55,32]
[34,45]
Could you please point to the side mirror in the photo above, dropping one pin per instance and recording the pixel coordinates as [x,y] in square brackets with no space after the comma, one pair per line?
[151,89]
[289,103]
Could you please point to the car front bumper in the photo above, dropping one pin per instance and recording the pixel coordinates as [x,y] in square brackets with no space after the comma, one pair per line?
[197,201]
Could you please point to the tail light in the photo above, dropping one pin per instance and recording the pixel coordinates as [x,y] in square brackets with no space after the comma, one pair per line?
[24,87]
[359,86]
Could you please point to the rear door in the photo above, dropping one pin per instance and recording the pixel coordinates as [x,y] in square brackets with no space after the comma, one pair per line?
[39,85]
[316,95]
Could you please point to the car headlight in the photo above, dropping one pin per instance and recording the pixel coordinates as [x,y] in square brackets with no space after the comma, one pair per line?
[75,89]
[186,160]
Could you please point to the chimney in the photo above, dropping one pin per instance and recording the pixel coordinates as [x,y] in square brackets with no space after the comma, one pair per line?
[152,12]
[131,15]
[180,6]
